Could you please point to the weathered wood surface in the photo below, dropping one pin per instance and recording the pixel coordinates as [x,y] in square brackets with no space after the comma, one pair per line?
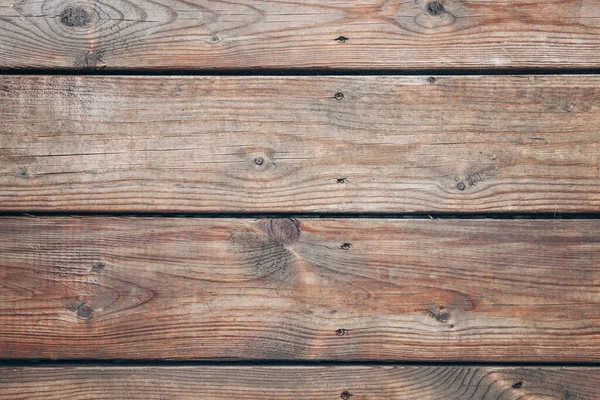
[294,383]
[328,289]
[287,144]
[207,34]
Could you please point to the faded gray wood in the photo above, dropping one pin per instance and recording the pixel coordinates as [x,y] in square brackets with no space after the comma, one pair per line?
[294,383]
[277,289]
[287,144]
[371,34]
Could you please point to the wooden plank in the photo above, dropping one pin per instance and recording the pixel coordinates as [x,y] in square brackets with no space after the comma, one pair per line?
[207,34]
[328,289]
[287,144]
[293,382]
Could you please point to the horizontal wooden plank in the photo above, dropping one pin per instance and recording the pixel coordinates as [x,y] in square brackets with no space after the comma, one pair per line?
[300,144]
[205,34]
[294,383]
[329,289]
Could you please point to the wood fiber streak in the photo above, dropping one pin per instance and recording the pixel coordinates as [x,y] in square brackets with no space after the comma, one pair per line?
[296,383]
[345,34]
[300,144]
[278,289]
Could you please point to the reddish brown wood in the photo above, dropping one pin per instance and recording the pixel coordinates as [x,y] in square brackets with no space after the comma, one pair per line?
[287,144]
[345,34]
[294,383]
[329,289]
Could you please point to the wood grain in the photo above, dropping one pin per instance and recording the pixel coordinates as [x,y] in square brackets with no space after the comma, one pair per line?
[324,289]
[345,34]
[294,383]
[287,144]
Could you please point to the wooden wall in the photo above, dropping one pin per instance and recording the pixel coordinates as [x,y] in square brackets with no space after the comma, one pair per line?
[299,199]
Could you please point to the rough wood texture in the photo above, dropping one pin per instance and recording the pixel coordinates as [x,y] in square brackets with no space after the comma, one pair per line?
[370,34]
[300,144]
[295,383]
[347,289]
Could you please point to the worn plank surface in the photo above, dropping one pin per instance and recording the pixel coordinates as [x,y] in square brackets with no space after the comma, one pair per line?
[328,289]
[287,144]
[203,34]
[293,383]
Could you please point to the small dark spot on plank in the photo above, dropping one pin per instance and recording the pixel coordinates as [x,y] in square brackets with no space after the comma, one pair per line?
[431,79]
[439,314]
[85,312]
[341,180]
[259,161]
[346,246]
[24,172]
[435,8]
[345,395]
[339,96]
[341,39]
[461,186]
[341,332]
[518,385]
[75,17]
[98,267]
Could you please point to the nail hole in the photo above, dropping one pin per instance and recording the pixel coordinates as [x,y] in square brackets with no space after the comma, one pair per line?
[341,39]
[517,385]
[259,161]
[460,186]
[435,8]
[341,332]
[24,172]
[341,180]
[346,395]
[346,246]
[431,79]
[339,96]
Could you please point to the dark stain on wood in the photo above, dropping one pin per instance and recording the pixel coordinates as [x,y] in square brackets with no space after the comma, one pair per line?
[98,267]
[266,251]
[75,17]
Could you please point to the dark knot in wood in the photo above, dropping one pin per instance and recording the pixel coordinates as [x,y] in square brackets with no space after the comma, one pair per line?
[435,8]
[85,312]
[77,17]
[284,230]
